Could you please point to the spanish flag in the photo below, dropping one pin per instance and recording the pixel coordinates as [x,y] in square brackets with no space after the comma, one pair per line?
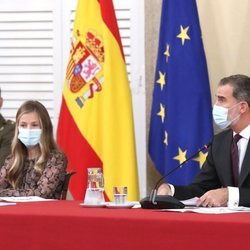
[95,126]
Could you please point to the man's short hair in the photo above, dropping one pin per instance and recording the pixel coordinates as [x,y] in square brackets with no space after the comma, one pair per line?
[241,86]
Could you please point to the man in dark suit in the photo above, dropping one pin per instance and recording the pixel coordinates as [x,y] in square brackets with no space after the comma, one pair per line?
[7,129]
[225,176]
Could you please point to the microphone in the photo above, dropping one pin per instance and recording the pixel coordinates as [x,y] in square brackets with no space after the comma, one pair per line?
[167,201]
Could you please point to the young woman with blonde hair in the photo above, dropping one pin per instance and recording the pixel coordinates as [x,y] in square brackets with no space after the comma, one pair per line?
[35,167]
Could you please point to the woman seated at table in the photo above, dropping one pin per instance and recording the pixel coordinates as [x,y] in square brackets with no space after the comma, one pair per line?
[35,167]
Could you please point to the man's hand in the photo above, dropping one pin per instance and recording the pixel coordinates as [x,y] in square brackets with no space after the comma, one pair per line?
[214,198]
[164,189]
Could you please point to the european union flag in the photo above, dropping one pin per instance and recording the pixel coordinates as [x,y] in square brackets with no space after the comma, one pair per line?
[181,118]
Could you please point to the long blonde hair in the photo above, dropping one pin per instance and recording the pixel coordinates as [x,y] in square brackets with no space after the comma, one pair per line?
[18,149]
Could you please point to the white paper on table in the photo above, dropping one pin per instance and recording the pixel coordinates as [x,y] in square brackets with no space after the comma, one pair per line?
[3,204]
[24,199]
[210,210]
[190,202]
[136,204]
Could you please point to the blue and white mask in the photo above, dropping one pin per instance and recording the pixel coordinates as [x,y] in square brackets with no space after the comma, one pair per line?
[220,115]
[29,137]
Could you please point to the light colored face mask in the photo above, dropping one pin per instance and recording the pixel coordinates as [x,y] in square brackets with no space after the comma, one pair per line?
[220,115]
[29,137]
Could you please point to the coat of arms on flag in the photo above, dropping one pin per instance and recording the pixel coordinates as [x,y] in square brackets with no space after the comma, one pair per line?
[84,71]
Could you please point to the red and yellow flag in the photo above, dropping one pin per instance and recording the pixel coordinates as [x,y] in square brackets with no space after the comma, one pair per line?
[96,122]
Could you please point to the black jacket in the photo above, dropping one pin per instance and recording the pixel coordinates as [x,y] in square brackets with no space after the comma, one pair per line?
[217,171]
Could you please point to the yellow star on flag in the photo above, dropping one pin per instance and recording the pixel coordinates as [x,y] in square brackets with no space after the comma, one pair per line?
[167,53]
[183,35]
[161,113]
[166,138]
[181,157]
[161,79]
[201,158]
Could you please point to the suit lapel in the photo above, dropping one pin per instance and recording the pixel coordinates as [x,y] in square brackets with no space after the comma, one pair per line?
[245,165]
[226,160]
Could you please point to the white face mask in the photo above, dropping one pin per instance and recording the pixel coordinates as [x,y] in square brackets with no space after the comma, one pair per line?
[220,115]
[29,137]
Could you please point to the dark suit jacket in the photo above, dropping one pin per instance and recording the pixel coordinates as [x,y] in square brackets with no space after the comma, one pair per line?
[217,171]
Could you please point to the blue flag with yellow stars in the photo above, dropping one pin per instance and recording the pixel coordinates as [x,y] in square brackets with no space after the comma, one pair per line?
[181,115]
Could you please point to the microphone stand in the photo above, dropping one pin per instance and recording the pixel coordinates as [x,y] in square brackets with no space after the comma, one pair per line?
[145,203]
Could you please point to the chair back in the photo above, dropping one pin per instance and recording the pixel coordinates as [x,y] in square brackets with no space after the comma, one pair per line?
[66,185]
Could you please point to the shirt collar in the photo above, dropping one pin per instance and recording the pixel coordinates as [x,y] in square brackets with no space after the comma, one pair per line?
[245,133]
